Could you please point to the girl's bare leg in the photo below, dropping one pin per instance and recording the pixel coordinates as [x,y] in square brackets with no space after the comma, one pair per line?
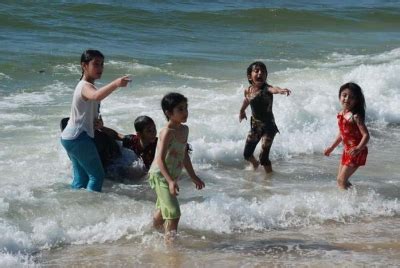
[254,162]
[344,174]
[158,221]
[171,227]
[266,143]
[268,168]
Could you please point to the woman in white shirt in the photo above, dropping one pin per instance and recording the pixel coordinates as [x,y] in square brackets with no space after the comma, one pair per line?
[77,137]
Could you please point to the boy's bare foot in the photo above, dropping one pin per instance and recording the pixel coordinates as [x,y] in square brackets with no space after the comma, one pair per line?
[170,237]
[158,221]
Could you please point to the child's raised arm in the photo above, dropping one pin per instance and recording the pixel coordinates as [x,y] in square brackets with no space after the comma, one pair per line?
[278,90]
[89,91]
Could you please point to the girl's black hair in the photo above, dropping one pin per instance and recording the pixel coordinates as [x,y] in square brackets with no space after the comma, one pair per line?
[359,107]
[170,101]
[141,122]
[89,55]
[258,64]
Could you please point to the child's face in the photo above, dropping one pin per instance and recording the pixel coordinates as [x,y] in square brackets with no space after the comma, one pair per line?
[347,99]
[94,69]
[149,133]
[179,113]
[258,76]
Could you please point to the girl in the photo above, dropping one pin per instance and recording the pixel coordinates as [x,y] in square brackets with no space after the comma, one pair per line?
[77,137]
[262,124]
[172,155]
[352,131]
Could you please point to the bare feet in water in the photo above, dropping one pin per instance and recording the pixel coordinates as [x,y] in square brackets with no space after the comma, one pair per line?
[170,237]
[268,169]
[254,162]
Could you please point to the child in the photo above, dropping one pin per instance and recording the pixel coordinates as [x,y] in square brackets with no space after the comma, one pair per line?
[352,131]
[143,143]
[77,137]
[172,155]
[262,124]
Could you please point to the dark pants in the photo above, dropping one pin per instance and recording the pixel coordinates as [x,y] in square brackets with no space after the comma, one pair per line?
[260,131]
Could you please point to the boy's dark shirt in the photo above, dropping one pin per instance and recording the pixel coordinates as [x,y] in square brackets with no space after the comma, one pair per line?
[147,154]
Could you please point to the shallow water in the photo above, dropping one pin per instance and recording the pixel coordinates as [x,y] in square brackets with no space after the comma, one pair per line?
[243,218]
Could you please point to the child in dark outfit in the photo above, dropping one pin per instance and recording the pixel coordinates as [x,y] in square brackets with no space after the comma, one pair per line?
[259,95]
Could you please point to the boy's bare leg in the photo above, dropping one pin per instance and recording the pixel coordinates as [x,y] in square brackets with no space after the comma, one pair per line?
[344,174]
[254,162]
[158,221]
[171,227]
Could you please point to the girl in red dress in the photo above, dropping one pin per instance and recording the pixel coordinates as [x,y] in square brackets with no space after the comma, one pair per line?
[352,132]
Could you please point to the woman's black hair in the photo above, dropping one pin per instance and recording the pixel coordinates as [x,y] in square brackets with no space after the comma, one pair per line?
[141,122]
[89,55]
[170,101]
[359,107]
[258,64]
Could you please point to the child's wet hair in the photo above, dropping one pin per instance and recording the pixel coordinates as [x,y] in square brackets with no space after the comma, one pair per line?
[359,107]
[170,101]
[141,122]
[255,64]
[89,55]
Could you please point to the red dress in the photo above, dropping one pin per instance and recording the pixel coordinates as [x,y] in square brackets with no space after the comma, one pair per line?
[351,137]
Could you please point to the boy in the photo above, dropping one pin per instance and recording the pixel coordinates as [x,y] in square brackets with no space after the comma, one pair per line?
[143,143]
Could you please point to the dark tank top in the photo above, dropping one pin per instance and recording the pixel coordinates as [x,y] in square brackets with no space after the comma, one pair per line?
[261,106]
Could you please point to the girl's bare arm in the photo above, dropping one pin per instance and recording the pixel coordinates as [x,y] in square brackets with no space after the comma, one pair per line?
[187,163]
[89,92]
[336,142]
[278,90]
[365,135]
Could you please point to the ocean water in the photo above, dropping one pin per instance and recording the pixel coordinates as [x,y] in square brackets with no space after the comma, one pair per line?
[295,217]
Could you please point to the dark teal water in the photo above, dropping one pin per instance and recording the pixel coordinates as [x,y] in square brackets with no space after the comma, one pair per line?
[219,35]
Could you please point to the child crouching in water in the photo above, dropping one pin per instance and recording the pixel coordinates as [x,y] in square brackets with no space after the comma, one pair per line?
[352,132]
[143,143]
[171,156]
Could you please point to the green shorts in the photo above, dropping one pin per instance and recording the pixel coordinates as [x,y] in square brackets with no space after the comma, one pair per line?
[167,203]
